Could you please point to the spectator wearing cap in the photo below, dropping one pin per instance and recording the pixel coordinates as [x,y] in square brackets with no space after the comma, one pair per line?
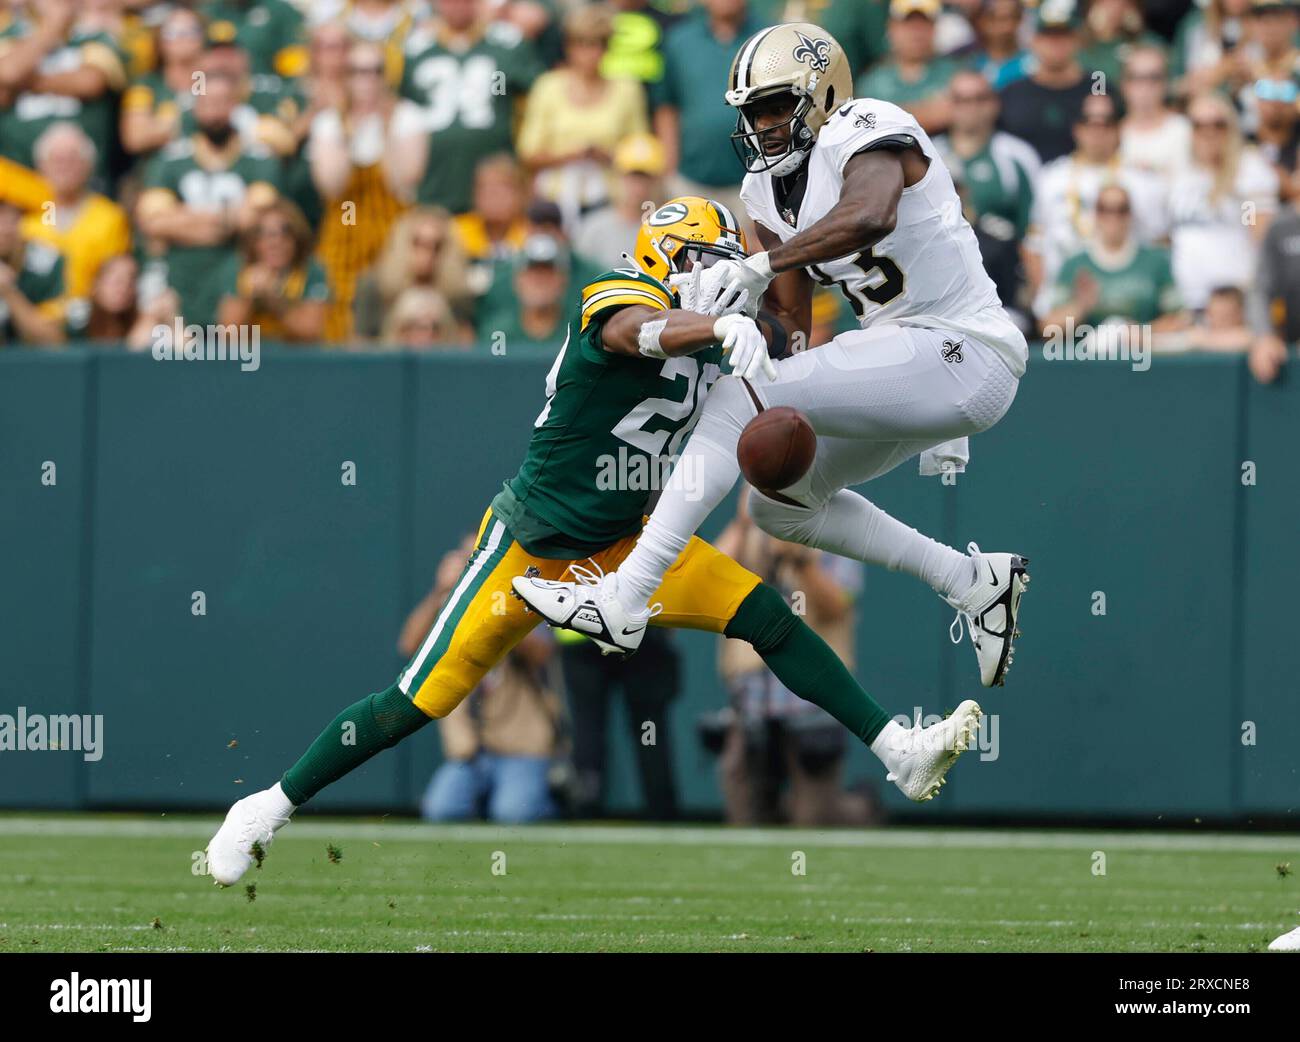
[1043,107]
[998,53]
[1112,29]
[996,174]
[534,323]
[1065,201]
[422,250]
[84,227]
[366,161]
[271,31]
[1153,137]
[152,106]
[421,319]
[601,237]
[1220,205]
[1278,131]
[466,72]
[31,286]
[277,285]
[1115,279]
[57,65]
[690,117]
[576,116]
[199,193]
[914,76]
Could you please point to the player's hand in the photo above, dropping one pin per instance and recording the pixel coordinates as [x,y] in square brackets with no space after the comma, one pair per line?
[735,283]
[745,347]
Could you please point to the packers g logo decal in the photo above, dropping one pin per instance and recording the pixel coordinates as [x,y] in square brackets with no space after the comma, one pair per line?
[813,52]
[669,214]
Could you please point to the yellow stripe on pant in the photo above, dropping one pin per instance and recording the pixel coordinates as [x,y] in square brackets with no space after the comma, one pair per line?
[483,620]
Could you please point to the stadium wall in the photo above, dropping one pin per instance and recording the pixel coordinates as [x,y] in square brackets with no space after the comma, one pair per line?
[171,480]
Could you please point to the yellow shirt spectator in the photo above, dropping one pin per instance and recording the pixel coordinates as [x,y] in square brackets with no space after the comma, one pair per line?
[96,230]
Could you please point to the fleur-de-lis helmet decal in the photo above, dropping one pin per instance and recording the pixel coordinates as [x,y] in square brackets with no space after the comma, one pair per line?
[813,52]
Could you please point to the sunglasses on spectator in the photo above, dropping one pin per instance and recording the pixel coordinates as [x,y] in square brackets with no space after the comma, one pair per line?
[1098,121]
[972,99]
[1209,124]
[1115,210]
[365,70]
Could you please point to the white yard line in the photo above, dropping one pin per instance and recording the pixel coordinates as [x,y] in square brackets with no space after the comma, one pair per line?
[902,837]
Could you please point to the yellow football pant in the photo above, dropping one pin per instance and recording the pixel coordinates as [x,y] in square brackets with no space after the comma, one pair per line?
[482,619]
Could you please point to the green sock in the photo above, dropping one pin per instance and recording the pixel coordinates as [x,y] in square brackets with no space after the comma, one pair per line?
[377,722]
[804,663]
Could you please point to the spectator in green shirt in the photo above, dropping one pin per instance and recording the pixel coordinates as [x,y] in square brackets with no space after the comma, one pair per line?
[466,73]
[1115,279]
[914,77]
[31,285]
[691,118]
[534,325]
[995,173]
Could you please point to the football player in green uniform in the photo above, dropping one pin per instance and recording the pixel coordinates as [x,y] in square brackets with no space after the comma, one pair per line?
[624,393]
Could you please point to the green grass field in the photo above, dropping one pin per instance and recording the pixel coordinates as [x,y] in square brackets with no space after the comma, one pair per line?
[110,883]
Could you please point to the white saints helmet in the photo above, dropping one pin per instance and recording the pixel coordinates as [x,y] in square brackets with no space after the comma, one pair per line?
[796,58]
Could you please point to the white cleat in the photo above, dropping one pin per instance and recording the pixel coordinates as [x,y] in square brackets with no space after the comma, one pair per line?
[1288,942]
[991,610]
[252,821]
[922,756]
[589,606]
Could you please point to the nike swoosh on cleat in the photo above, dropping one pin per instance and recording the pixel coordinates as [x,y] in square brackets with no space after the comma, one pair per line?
[993,580]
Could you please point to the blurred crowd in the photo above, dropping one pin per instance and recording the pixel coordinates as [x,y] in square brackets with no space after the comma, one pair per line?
[437,174]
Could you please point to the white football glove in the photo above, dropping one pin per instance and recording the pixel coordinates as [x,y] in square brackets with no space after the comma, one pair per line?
[697,289]
[746,349]
[734,284]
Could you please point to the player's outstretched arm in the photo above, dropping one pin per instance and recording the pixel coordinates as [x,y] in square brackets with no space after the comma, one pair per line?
[866,212]
[642,330]
[682,332]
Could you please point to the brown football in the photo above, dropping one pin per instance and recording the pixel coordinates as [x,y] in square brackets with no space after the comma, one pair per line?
[776,448]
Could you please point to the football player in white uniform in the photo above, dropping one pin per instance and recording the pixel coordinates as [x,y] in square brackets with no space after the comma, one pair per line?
[851,194]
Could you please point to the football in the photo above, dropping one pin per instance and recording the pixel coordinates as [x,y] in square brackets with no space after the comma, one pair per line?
[776,448]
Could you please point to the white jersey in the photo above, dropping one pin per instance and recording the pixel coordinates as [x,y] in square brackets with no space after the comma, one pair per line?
[928,270]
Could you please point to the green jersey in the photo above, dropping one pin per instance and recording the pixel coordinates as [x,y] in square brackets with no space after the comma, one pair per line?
[886,82]
[39,278]
[30,114]
[1139,291]
[271,31]
[468,96]
[612,426]
[190,269]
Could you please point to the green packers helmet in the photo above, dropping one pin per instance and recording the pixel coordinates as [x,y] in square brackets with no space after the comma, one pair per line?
[799,59]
